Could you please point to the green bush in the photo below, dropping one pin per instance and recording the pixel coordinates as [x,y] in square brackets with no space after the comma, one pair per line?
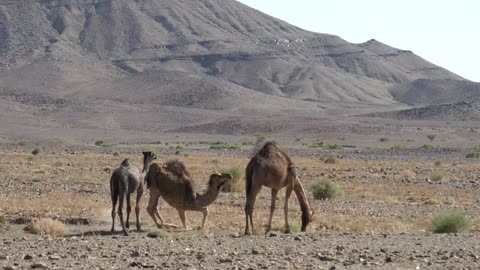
[115,154]
[430,147]
[332,146]
[236,184]
[36,151]
[438,176]
[104,143]
[157,233]
[475,155]
[450,222]
[438,163]
[223,146]
[325,189]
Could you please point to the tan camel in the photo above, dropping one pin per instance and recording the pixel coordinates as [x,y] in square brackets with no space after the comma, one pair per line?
[173,183]
[273,168]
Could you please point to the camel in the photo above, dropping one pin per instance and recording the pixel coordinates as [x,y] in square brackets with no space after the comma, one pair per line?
[125,180]
[273,168]
[173,183]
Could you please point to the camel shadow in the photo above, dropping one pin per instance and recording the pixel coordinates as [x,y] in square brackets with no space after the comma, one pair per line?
[101,233]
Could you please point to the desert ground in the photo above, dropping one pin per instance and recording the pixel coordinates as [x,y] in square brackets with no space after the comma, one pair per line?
[381,219]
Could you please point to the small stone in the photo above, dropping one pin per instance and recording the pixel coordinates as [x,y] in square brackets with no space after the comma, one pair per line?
[28,257]
[225,260]
[54,257]
[10,268]
[388,259]
[135,254]
[296,238]
[255,252]
[39,266]
[4,257]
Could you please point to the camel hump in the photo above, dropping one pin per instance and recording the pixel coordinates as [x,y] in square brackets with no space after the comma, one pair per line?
[126,163]
[268,149]
[176,167]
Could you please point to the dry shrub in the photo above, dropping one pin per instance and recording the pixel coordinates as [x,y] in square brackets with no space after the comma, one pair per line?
[407,174]
[47,226]
[332,159]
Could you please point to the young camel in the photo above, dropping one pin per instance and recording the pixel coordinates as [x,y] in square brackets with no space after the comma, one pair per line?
[273,168]
[125,180]
[173,183]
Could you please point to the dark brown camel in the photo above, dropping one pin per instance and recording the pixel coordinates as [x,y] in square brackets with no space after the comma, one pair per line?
[273,168]
[126,180]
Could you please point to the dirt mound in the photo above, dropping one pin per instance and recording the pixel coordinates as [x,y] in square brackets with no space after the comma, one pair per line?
[462,111]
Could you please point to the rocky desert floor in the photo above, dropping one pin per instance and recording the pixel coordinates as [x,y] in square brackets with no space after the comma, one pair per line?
[382,220]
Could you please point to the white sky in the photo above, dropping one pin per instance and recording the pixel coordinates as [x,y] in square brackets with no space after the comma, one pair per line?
[444,32]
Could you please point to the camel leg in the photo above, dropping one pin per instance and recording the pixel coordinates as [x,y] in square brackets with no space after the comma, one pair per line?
[152,208]
[137,208]
[205,214]
[114,203]
[181,213]
[285,209]
[251,197]
[272,209]
[129,210]
[120,212]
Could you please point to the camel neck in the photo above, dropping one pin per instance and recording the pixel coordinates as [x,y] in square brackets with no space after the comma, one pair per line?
[302,198]
[204,200]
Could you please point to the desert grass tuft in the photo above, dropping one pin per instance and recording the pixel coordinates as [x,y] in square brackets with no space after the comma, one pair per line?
[236,184]
[450,222]
[157,233]
[331,159]
[47,226]
[325,189]
[437,176]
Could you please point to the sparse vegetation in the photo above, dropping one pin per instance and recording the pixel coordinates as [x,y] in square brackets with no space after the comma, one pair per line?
[398,147]
[223,146]
[3,220]
[115,154]
[430,147]
[331,159]
[325,189]
[236,184]
[473,155]
[47,226]
[438,163]
[36,151]
[437,176]
[40,171]
[22,143]
[157,233]
[104,143]
[47,107]
[58,163]
[450,222]
[317,144]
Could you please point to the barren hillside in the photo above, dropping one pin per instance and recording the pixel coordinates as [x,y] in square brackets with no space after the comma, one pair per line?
[212,59]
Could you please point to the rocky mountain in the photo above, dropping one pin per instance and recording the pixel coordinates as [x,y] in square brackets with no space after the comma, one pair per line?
[91,57]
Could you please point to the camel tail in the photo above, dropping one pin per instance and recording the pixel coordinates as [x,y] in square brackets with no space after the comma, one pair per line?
[113,187]
[249,177]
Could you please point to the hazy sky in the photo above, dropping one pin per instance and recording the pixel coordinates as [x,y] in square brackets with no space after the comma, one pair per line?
[444,32]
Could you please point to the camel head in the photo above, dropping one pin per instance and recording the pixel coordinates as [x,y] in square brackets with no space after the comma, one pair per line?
[307,217]
[148,158]
[217,180]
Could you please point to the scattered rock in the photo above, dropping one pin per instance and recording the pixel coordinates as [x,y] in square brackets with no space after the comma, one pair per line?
[39,266]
